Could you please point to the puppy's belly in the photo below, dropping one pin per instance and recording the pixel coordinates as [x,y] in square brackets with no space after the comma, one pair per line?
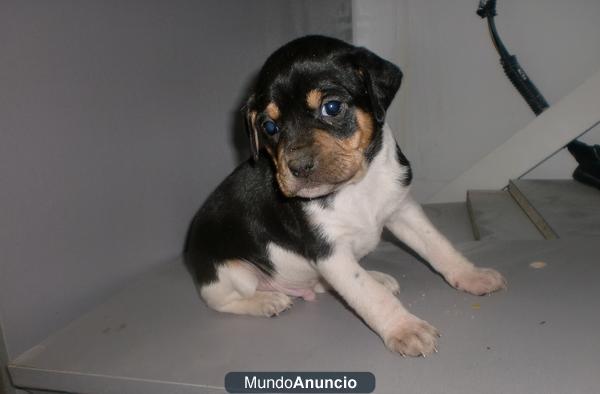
[294,275]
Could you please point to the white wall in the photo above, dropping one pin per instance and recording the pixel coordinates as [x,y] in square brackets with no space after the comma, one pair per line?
[117,118]
[456,105]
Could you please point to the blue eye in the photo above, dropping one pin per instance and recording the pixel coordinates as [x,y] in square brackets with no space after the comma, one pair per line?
[270,127]
[331,108]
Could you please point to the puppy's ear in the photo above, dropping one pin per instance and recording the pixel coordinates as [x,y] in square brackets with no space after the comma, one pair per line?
[381,77]
[250,115]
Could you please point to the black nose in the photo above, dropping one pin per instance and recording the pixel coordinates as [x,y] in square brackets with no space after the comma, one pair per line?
[301,167]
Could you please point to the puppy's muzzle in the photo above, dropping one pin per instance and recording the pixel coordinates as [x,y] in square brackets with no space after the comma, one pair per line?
[301,162]
[313,170]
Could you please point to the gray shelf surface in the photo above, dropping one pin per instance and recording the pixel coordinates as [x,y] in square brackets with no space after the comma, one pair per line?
[452,219]
[156,336]
[496,215]
[571,209]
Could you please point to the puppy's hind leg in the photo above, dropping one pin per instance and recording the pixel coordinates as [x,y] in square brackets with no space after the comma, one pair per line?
[235,291]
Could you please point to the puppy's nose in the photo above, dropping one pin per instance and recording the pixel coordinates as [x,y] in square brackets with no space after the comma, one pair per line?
[301,167]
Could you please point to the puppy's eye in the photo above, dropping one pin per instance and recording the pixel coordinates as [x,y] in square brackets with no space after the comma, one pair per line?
[270,127]
[331,108]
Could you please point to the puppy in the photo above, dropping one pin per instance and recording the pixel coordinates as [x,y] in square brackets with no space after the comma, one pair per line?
[301,213]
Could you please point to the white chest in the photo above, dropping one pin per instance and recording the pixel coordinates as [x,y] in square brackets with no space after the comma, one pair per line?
[357,214]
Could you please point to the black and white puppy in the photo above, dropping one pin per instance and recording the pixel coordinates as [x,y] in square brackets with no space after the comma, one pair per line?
[301,214]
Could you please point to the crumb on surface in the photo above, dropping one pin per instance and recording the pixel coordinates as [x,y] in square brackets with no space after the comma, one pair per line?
[538,264]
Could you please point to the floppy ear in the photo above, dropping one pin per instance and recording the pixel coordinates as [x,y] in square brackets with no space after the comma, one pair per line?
[250,115]
[381,77]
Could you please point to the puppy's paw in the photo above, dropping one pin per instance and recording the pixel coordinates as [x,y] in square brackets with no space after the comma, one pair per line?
[271,303]
[388,281]
[412,336]
[478,281]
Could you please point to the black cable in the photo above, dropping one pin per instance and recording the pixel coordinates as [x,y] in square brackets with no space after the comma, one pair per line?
[510,65]
[588,157]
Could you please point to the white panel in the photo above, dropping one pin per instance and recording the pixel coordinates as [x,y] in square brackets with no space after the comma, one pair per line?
[575,114]
[117,119]
[455,104]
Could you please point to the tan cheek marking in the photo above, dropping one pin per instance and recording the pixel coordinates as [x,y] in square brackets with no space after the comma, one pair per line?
[325,142]
[354,141]
[272,111]
[282,171]
[340,158]
[329,143]
[360,140]
[313,99]
[365,129]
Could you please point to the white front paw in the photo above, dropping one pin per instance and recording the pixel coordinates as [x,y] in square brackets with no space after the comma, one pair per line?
[411,336]
[478,281]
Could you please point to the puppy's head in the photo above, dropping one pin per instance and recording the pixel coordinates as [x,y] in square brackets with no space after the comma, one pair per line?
[318,108]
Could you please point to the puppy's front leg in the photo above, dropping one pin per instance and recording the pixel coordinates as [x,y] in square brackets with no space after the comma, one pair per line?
[401,331]
[410,225]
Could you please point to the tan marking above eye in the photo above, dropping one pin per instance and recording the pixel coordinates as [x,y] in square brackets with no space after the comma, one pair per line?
[313,98]
[272,111]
